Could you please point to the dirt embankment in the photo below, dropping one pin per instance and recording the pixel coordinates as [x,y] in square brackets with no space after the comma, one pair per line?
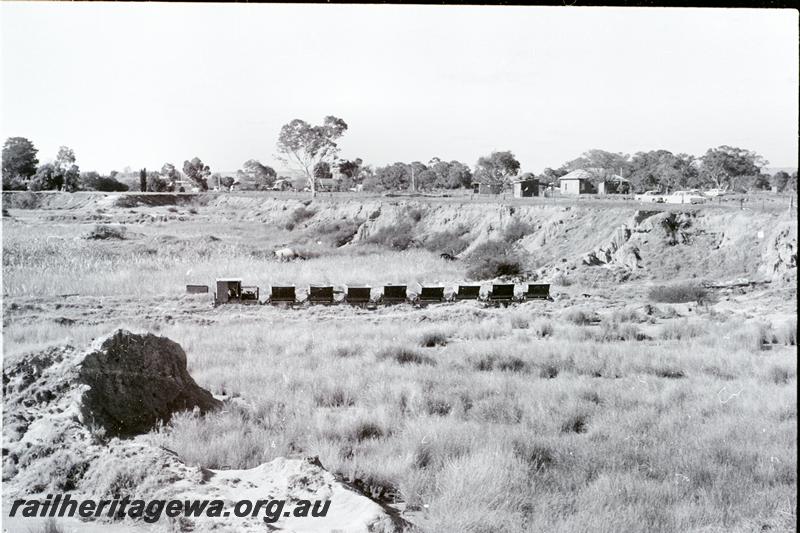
[64,410]
[635,241]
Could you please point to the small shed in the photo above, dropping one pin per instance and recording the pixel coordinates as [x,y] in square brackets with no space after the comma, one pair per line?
[576,182]
[525,188]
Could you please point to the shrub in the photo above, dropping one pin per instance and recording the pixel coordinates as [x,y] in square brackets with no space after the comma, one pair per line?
[452,242]
[517,229]
[415,214]
[341,232]
[493,259]
[580,317]
[681,329]
[400,237]
[542,328]
[611,331]
[561,280]
[102,232]
[677,293]
[299,215]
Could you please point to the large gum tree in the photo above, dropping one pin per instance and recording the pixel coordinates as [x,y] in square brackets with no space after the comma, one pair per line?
[304,146]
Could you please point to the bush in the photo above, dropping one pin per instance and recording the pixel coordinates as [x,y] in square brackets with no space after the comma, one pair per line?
[580,317]
[493,259]
[561,280]
[452,242]
[299,215]
[341,232]
[92,181]
[677,293]
[103,232]
[400,237]
[517,229]
[682,329]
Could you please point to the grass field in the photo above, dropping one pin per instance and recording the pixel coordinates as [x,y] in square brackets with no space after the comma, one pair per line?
[609,413]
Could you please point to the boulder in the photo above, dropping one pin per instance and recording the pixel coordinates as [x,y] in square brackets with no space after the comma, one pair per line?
[135,381]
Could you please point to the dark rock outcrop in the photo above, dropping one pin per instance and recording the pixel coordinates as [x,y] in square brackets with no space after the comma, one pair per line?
[137,381]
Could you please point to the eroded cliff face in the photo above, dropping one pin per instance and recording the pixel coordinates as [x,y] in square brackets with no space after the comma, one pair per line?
[659,243]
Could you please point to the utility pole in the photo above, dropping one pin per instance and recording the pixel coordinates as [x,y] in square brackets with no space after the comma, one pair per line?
[413,184]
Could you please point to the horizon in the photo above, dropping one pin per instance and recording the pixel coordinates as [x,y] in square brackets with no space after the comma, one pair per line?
[125,88]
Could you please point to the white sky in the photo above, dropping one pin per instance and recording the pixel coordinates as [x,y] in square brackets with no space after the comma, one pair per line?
[141,84]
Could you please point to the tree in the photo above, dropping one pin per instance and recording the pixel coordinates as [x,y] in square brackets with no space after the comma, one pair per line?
[303,146]
[458,175]
[171,175]
[156,182]
[198,172]
[262,176]
[322,171]
[724,166]
[143,180]
[389,178]
[351,169]
[65,157]
[780,180]
[19,162]
[52,177]
[661,169]
[497,168]
[599,164]
[92,181]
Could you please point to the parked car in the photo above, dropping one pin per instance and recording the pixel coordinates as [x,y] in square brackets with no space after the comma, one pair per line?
[686,197]
[650,196]
[713,193]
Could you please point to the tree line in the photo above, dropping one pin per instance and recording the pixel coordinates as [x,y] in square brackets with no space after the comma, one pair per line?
[312,151]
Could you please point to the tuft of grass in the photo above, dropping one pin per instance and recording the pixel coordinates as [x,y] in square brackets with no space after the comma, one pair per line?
[581,317]
[575,423]
[786,332]
[433,338]
[611,331]
[504,363]
[366,430]
[534,454]
[542,328]
[677,293]
[335,396]
[405,356]
[682,329]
